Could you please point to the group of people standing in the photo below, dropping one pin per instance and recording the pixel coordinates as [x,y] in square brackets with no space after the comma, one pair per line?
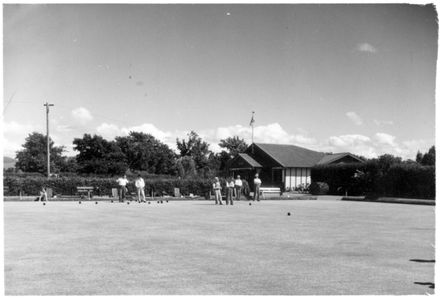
[234,189]
[231,186]
[140,187]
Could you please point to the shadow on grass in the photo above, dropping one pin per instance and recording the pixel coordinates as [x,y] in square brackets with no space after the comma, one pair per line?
[422,261]
[430,284]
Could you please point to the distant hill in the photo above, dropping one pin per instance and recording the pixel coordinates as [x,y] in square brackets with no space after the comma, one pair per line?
[8,163]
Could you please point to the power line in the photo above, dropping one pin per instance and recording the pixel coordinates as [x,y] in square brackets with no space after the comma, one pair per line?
[10,100]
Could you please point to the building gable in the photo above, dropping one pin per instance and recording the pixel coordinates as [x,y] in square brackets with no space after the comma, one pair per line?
[339,158]
[243,161]
[263,157]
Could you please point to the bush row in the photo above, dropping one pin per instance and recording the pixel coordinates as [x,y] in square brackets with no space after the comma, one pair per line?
[103,186]
[32,185]
[409,180]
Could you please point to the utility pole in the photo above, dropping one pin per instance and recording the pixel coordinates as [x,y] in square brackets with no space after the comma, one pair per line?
[47,137]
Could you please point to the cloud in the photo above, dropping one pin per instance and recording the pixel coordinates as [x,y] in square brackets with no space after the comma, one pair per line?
[16,128]
[270,133]
[380,144]
[63,128]
[354,143]
[384,138]
[411,147]
[149,129]
[366,47]
[9,147]
[82,115]
[383,122]
[110,131]
[356,119]
[348,140]
[14,135]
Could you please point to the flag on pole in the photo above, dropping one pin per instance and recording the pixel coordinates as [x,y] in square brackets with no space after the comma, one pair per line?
[252,119]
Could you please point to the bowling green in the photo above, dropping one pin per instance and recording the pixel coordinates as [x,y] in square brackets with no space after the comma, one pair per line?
[325,247]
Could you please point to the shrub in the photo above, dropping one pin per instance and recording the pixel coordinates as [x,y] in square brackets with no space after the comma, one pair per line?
[319,188]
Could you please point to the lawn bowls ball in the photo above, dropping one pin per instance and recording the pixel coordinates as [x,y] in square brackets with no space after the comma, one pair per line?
[288,214]
[79,202]
[128,202]
[96,202]
[149,202]
[250,203]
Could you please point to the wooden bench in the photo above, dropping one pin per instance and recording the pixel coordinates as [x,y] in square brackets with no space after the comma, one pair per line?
[85,190]
[270,190]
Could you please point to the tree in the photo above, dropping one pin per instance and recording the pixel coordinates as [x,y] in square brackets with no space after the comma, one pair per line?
[427,158]
[217,163]
[386,161]
[144,152]
[69,165]
[234,145]
[186,167]
[197,149]
[419,157]
[99,156]
[33,158]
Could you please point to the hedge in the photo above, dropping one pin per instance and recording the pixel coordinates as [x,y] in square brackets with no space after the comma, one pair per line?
[408,180]
[103,186]
[31,185]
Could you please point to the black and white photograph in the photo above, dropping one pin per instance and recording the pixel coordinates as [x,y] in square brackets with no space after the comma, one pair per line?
[219,149]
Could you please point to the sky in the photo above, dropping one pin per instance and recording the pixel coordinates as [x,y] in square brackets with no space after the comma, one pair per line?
[334,78]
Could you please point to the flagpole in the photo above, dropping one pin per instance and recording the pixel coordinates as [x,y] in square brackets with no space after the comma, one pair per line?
[252,124]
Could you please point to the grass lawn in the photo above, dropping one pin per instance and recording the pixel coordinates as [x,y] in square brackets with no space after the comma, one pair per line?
[326,247]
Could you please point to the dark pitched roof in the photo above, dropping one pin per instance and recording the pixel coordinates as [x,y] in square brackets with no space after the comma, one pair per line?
[249,160]
[327,159]
[290,155]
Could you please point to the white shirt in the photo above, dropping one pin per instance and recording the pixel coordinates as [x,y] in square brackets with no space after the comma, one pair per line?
[216,186]
[140,183]
[257,181]
[230,184]
[122,181]
[238,183]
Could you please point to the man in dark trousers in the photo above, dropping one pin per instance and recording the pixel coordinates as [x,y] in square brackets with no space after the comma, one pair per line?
[122,182]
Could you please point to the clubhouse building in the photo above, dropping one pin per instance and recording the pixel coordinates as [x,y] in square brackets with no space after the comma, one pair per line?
[282,165]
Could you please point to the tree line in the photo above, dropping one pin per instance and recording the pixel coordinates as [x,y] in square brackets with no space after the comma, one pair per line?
[137,152]
[141,152]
